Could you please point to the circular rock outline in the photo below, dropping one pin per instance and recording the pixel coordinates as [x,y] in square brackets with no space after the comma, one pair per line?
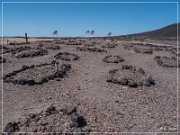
[116,59]
[34,53]
[133,81]
[8,78]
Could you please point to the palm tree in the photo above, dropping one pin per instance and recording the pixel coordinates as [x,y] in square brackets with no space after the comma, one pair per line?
[87,32]
[55,33]
[92,32]
[109,34]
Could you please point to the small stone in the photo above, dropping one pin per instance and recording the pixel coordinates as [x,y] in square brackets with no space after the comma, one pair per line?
[24,67]
[149,81]
[113,71]
[141,71]
[78,121]
[51,110]
[30,82]
[79,88]
[132,84]
[123,81]
[31,116]
[117,101]
[65,67]
[127,67]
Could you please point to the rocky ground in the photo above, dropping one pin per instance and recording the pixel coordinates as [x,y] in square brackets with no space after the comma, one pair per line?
[90,86]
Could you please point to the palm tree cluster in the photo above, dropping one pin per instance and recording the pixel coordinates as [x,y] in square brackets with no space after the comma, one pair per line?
[92,32]
[88,32]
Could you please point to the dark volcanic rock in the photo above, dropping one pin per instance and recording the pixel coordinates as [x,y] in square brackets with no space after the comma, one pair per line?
[30,82]
[65,67]
[78,121]
[50,110]
[141,71]
[132,84]
[149,81]
[127,67]
[11,127]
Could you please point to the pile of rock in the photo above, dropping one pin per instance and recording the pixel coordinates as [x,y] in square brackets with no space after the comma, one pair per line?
[143,50]
[49,120]
[55,75]
[33,53]
[15,50]
[53,47]
[128,47]
[66,56]
[90,49]
[110,45]
[48,46]
[130,76]
[169,62]
[175,51]
[20,43]
[113,59]
[73,42]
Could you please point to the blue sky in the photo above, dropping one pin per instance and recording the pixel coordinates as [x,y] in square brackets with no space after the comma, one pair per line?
[75,19]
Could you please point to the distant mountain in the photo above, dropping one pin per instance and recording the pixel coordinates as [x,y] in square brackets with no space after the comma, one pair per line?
[165,32]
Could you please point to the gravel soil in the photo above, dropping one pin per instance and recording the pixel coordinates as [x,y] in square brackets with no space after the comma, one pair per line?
[106,107]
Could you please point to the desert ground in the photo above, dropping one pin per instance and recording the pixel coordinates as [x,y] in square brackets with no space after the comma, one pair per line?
[90,85]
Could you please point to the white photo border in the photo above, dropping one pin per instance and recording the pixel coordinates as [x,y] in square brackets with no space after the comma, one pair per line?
[138,2]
